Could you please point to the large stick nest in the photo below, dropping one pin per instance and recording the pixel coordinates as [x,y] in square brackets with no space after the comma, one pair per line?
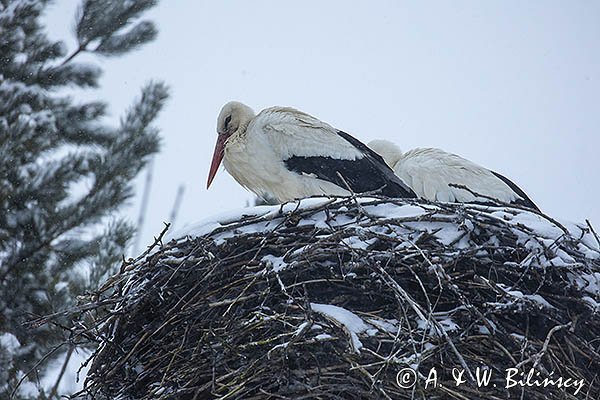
[331,298]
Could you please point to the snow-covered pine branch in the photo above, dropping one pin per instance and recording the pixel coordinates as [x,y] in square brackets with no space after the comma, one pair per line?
[64,174]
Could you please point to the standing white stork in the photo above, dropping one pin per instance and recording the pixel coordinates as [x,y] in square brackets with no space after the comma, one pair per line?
[429,171]
[286,154]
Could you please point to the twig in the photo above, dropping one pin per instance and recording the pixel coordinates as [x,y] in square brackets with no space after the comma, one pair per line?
[511,205]
[80,49]
[536,358]
[34,368]
[157,242]
[589,224]
[68,355]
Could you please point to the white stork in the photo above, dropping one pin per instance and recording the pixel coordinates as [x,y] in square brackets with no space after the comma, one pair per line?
[286,154]
[429,171]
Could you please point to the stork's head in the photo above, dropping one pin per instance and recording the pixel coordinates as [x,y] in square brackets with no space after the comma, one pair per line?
[390,153]
[233,120]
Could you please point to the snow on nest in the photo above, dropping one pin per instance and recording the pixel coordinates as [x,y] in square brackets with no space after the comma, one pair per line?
[535,231]
[231,217]
[453,225]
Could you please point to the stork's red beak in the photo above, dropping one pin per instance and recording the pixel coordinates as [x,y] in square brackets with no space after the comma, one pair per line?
[217,158]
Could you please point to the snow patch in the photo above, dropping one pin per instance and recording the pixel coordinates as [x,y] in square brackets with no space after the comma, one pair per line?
[9,342]
[275,263]
[392,211]
[207,225]
[352,322]
[587,282]
[323,336]
[387,325]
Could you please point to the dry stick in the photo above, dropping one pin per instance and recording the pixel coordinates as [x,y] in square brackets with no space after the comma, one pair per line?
[241,295]
[437,324]
[352,194]
[231,301]
[157,241]
[589,224]
[393,353]
[414,305]
[410,331]
[503,203]
[54,390]
[132,351]
[536,358]
[34,368]
[175,354]
[495,200]
[254,219]
[448,279]
[75,310]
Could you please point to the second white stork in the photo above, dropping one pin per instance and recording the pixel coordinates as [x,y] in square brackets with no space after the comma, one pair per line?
[286,154]
[429,172]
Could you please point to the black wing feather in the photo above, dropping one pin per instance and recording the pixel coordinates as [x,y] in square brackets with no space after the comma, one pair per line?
[367,174]
[525,200]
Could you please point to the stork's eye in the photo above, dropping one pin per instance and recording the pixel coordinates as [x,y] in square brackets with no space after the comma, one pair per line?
[227,121]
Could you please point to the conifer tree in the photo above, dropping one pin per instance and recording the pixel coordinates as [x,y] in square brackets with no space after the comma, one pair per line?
[64,173]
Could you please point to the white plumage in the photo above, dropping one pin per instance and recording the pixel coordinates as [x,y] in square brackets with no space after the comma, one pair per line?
[287,154]
[255,157]
[429,171]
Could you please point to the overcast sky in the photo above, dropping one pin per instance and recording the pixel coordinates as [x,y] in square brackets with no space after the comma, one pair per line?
[511,85]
